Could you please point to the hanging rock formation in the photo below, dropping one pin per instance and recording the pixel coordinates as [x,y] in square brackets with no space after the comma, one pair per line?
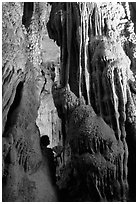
[102,58]
[85,102]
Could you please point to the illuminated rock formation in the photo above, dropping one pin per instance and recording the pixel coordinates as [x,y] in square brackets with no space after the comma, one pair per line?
[95,97]
[25,171]
[102,59]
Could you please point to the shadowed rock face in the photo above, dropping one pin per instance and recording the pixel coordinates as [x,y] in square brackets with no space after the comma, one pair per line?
[93,155]
[132,6]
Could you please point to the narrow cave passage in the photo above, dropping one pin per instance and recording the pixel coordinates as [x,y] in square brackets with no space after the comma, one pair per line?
[81,159]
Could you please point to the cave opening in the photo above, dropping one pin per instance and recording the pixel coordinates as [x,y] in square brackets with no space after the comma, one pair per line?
[27,13]
[14,105]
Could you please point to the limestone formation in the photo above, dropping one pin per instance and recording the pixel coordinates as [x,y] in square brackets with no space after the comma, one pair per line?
[84,100]
[91,140]
[47,120]
[25,171]
[103,65]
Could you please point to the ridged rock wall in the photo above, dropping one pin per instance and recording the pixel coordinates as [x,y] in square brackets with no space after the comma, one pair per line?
[13,54]
[26,174]
[92,128]
[98,62]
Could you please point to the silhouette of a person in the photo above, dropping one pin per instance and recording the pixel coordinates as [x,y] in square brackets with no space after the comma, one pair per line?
[48,153]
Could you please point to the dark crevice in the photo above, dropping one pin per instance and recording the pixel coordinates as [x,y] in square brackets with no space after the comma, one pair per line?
[15,104]
[131,142]
[27,13]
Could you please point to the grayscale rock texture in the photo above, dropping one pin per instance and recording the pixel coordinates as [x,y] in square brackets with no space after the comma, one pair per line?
[26,174]
[82,94]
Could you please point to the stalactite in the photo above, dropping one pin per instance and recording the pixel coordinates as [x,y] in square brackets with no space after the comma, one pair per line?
[103,70]
[63,49]
[85,15]
[86,10]
[115,77]
[69,40]
[80,57]
[116,104]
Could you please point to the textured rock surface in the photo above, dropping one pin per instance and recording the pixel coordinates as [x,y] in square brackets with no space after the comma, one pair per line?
[48,120]
[26,174]
[93,155]
[98,59]
[91,26]
[13,54]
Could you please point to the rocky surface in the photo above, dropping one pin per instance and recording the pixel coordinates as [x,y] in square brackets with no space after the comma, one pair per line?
[13,54]
[93,155]
[47,120]
[89,60]
[26,174]
[85,101]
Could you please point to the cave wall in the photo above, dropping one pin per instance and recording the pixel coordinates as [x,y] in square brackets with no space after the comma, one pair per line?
[13,53]
[47,120]
[98,63]
[26,174]
[87,39]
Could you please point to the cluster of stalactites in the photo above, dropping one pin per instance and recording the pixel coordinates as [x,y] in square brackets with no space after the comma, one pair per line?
[109,82]
[83,22]
[103,65]
[96,20]
[90,25]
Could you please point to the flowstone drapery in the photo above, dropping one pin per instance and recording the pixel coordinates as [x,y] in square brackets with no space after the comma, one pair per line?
[101,65]
[94,140]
